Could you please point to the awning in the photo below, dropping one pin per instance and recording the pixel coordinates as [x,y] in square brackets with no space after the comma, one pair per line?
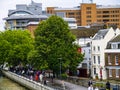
[113,67]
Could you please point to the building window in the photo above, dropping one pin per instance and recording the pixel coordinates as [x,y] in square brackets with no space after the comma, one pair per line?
[109,60]
[117,72]
[94,60]
[116,60]
[88,20]
[119,46]
[105,11]
[71,13]
[98,59]
[94,71]
[89,16]
[88,12]
[88,8]
[89,51]
[94,48]
[114,46]
[98,48]
[110,72]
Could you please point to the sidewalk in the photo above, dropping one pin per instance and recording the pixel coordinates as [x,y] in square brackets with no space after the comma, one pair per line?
[68,86]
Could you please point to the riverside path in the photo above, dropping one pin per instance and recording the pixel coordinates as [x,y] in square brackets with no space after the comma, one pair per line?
[71,86]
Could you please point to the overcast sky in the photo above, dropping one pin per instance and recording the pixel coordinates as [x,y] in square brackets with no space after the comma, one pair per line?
[5,5]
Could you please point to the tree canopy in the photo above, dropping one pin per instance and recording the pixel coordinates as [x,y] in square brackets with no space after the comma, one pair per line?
[14,46]
[54,45]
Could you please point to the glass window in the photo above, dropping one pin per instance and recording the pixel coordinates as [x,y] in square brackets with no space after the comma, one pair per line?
[119,46]
[114,46]
[110,73]
[94,60]
[109,60]
[94,48]
[116,60]
[98,59]
[94,71]
[117,72]
[98,48]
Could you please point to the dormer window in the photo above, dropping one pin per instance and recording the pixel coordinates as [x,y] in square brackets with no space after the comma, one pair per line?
[114,46]
[119,46]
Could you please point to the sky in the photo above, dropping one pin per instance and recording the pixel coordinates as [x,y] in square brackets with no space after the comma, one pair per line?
[6,5]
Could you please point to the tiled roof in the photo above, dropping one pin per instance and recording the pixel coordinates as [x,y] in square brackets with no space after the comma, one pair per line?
[116,39]
[101,34]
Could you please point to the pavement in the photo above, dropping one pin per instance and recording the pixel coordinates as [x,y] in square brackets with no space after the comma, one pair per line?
[67,85]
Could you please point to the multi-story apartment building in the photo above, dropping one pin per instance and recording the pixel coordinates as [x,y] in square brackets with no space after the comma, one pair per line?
[90,13]
[112,58]
[98,46]
[28,16]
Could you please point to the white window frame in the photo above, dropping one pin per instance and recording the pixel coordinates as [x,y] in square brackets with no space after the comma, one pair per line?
[98,59]
[114,46]
[98,48]
[109,60]
[94,58]
[110,72]
[117,73]
[116,60]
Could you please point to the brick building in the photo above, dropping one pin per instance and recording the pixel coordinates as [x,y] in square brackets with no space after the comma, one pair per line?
[90,13]
[112,58]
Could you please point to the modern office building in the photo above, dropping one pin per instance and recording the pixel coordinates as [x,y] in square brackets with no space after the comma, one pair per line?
[90,13]
[23,15]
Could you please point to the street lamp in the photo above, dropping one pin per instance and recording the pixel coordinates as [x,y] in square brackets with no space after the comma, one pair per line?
[101,73]
[60,66]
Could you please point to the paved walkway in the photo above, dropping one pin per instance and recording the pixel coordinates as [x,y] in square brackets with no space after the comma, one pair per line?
[69,86]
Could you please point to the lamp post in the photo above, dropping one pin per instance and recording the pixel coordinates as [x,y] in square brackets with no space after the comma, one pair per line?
[101,73]
[60,66]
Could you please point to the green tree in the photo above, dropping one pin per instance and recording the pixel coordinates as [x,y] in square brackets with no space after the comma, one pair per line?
[55,45]
[15,46]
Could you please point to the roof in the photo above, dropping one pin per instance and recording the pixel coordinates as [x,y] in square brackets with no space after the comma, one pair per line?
[26,17]
[116,39]
[101,34]
[108,6]
[67,8]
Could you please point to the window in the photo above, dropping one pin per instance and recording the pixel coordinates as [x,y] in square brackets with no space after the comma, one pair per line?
[89,16]
[117,72]
[71,13]
[94,60]
[98,59]
[89,51]
[114,46]
[94,71]
[94,48]
[116,60]
[109,60]
[98,48]
[88,20]
[110,73]
[119,46]
[88,12]
[88,8]
[105,11]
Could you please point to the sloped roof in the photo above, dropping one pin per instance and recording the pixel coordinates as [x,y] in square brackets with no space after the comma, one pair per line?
[116,39]
[101,34]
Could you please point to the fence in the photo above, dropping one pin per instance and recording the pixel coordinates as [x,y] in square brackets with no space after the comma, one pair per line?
[26,82]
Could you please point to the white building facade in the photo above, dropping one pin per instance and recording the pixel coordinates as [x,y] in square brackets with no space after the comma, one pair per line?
[85,44]
[98,45]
